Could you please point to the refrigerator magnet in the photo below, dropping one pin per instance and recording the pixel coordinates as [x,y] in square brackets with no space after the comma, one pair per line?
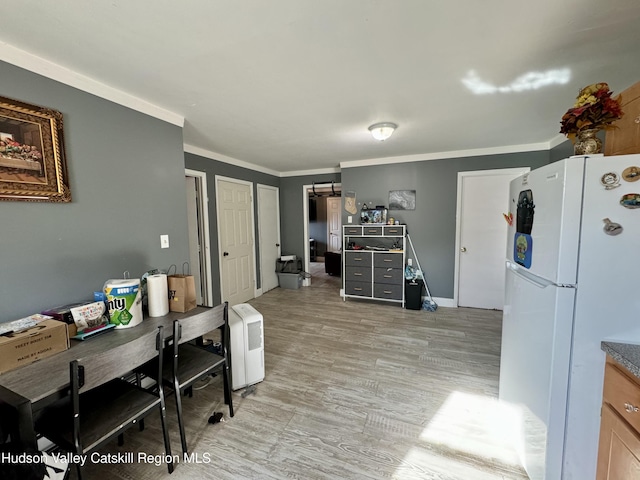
[631,174]
[611,228]
[630,200]
[610,180]
[522,249]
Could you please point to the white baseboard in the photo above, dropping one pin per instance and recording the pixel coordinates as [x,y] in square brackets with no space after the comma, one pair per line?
[444,302]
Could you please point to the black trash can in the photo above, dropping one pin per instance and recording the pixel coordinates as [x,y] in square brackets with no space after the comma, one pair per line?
[413,294]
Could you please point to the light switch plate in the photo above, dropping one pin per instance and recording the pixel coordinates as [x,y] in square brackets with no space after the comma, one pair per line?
[164,241]
[349,219]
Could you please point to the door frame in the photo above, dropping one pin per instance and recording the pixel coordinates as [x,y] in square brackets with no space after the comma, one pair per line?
[221,178]
[202,198]
[306,189]
[461,176]
[260,220]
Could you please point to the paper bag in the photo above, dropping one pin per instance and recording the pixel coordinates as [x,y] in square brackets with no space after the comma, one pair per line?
[182,292]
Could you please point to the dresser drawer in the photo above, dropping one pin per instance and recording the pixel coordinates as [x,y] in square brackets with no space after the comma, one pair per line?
[388,275]
[623,394]
[353,230]
[371,230]
[362,289]
[359,258]
[388,260]
[357,273]
[388,292]
[394,230]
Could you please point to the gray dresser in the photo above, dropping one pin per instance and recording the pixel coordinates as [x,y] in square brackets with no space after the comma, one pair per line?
[373,262]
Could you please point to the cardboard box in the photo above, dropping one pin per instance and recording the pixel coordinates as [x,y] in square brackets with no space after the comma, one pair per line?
[41,340]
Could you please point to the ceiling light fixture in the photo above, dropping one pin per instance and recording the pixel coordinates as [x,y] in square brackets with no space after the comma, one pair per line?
[382,131]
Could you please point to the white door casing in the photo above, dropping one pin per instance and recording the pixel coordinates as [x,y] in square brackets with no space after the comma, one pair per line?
[234,208]
[334,223]
[269,235]
[199,239]
[194,236]
[481,235]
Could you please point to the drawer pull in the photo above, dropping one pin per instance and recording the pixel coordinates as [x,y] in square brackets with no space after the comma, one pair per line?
[357,274]
[357,259]
[630,408]
[357,289]
[389,292]
[388,276]
[372,231]
[387,260]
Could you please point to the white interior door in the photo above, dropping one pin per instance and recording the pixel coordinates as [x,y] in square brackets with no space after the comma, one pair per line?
[483,197]
[269,235]
[235,240]
[334,223]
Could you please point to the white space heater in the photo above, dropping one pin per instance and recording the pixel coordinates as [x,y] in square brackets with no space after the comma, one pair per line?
[246,345]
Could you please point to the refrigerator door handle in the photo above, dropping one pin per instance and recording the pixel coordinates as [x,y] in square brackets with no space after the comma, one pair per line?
[528,276]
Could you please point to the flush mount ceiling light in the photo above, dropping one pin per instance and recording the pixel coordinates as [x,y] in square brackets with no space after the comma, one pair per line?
[382,131]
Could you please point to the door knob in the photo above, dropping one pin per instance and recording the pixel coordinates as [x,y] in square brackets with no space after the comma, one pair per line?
[463,249]
[225,254]
[277,244]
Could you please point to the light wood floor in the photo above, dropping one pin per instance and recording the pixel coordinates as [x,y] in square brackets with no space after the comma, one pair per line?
[353,390]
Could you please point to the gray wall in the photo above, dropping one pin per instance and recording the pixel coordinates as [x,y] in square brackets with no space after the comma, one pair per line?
[126,173]
[213,168]
[432,225]
[564,150]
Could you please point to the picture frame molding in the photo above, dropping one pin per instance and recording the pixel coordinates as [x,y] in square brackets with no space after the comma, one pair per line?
[33,170]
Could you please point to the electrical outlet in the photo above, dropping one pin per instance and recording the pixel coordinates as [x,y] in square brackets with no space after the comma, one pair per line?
[164,241]
[349,219]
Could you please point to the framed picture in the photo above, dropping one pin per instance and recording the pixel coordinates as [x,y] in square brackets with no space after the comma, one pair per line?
[32,159]
[402,200]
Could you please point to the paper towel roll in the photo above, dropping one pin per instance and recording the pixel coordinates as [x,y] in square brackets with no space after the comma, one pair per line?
[157,295]
[125,301]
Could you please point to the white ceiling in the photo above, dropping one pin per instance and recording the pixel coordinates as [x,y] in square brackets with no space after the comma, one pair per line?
[292,85]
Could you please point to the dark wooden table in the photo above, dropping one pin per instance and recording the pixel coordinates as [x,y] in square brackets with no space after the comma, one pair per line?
[32,387]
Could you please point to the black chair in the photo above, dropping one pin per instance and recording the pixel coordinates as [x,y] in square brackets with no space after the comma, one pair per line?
[102,405]
[190,362]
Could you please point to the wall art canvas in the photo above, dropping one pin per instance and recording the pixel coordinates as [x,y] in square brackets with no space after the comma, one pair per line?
[402,200]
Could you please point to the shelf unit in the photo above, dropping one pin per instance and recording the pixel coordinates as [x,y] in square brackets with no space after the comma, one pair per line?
[374,273]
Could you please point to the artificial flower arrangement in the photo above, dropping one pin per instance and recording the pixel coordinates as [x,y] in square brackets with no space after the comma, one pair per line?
[594,109]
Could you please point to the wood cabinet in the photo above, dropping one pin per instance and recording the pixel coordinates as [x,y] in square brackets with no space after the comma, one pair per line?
[373,262]
[619,447]
[625,138]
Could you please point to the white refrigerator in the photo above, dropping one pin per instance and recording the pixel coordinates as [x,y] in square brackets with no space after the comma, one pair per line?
[572,281]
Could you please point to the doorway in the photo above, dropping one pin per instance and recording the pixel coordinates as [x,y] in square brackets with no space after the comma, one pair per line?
[236,246]
[321,227]
[481,237]
[199,243]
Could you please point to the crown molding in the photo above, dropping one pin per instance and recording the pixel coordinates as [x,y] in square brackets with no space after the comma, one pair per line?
[33,63]
[230,160]
[557,140]
[318,171]
[529,147]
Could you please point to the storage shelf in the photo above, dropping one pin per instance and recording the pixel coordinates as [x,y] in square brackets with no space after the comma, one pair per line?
[373,273]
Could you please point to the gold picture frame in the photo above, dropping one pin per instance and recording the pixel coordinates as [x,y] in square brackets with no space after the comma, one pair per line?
[32,158]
